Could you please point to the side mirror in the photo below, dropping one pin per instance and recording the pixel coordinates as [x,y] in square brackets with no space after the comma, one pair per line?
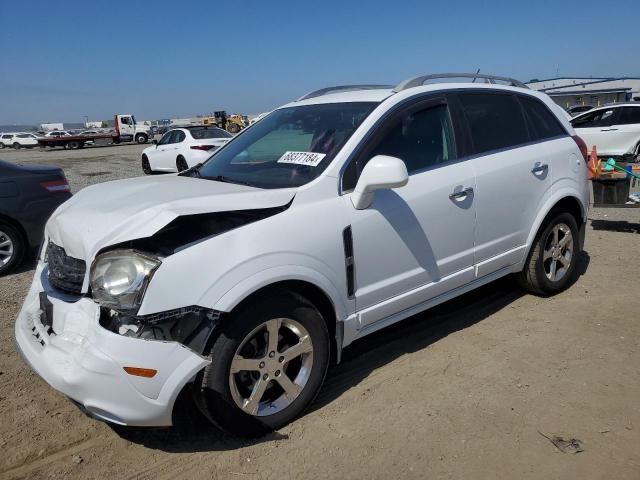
[379,173]
[155,142]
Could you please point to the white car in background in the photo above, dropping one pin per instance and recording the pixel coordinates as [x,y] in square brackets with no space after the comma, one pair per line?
[613,129]
[58,133]
[6,139]
[24,140]
[183,148]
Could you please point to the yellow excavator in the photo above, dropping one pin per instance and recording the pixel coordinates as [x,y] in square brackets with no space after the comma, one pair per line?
[230,123]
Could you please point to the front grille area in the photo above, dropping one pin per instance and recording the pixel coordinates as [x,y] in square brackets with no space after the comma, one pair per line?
[65,273]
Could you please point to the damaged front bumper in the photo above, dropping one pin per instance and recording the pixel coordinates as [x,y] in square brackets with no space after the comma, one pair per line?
[74,354]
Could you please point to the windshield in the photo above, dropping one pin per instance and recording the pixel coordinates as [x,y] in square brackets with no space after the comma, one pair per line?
[289,147]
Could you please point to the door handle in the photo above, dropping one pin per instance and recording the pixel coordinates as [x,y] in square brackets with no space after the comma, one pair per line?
[461,193]
[608,129]
[540,168]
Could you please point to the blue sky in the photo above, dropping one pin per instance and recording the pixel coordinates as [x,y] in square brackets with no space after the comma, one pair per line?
[63,60]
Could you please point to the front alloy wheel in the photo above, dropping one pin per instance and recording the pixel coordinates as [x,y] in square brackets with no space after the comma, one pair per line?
[267,364]
[271,367]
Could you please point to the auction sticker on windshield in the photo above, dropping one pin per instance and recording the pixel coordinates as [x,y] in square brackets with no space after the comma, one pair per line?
[310,159]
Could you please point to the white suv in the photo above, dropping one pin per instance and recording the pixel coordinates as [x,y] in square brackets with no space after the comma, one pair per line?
[334,216]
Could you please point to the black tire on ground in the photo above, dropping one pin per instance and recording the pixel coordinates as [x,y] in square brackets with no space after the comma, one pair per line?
[10,258]
[141,138]
[181,164]
[17,146]
[73,144]
[212,389]
[1,145]
[233,128]
[539,276]
[146,167]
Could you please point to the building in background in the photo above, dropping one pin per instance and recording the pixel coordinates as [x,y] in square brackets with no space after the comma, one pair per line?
[568,92]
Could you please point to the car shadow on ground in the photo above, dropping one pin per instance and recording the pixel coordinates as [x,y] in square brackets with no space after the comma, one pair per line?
[193,433]
[621,226]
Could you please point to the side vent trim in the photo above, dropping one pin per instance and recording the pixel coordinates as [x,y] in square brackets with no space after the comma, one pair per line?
[349,263]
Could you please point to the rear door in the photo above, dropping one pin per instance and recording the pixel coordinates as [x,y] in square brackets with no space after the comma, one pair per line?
[513,175]
[415,242]
[625,130]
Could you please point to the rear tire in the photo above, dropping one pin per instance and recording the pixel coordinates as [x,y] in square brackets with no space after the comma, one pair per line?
[1,146]
[12,248]
[17,146]
[233,128]
[252,401]
[146,166]
[73,145]
[551,264]
[141,138]
[181,164]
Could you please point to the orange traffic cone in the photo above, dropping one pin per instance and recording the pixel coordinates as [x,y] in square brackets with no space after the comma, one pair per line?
[593,167]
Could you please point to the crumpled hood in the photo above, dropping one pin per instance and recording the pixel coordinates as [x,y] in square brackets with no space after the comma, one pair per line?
[113,212]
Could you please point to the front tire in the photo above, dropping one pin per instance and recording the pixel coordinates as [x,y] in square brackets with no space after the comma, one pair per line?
[146,166]
[552,262]
[140,139]
[268,364]
[12,248]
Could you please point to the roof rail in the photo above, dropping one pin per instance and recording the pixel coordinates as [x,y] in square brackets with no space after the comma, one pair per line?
[340,88]
[420,79]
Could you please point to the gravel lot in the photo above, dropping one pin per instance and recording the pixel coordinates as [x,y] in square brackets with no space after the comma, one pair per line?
[468,390]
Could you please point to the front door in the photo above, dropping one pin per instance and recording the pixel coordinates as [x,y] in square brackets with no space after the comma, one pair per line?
[595,128]
[415,242]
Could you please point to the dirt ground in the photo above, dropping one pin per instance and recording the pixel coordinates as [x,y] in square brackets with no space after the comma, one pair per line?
[468,390]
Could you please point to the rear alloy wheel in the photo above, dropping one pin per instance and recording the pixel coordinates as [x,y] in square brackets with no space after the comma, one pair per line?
[17,146]
[146,167]
[181,164]
[268,364]
[553,258]
[11,248]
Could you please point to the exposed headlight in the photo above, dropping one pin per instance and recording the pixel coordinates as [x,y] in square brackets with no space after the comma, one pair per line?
[119,278]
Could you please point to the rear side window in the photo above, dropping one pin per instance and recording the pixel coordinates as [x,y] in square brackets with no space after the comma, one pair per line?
[542,122]
[179,136]
[629,115]
[495,121]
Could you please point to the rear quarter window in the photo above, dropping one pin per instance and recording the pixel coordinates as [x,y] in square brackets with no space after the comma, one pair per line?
[495,121]
[542,123]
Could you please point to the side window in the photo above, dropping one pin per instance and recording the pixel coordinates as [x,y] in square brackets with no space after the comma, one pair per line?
[599,118]
[542,122]
[495,121]
[421,139]
[628,116]
[166,138]
[125,120]
[179,136]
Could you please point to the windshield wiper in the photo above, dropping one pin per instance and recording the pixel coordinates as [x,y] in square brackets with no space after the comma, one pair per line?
[222,178]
